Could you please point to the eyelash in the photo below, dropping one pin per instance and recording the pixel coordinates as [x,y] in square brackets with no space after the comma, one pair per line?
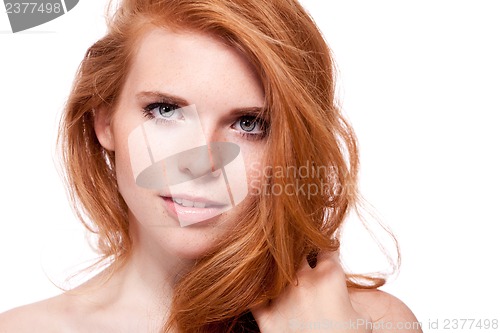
[254,119]
[148,112]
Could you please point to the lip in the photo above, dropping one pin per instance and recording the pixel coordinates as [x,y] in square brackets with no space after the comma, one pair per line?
[191,215]
[206,201]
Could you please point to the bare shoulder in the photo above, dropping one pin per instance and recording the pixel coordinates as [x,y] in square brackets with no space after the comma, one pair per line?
[43,316]
[388,313]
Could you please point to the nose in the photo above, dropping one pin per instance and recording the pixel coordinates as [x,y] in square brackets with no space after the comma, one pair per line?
[205,158]
[198,162]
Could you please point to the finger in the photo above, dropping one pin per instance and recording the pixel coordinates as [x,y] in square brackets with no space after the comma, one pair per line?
[330,266]
[338,281]
[329,261]
[261,314]
[305,265]
[316,257]
[332,256]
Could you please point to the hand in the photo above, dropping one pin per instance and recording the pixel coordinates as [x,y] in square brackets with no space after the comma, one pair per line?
[319,303]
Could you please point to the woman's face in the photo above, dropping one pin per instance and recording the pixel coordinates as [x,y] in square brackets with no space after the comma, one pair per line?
[186,138]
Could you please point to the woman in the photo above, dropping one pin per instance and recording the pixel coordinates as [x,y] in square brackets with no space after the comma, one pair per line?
[204,149]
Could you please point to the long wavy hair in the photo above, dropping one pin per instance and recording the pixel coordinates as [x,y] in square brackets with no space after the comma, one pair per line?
[306,128]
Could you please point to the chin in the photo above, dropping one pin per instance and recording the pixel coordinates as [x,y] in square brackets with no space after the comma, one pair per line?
[191,247]
[189,242]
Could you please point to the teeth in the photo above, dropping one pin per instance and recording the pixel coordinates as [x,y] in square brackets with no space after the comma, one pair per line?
[189,203]
[199,204]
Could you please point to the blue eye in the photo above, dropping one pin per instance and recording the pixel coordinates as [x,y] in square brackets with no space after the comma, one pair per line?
[167,110]
[248,124]
[163,111]
[251,127]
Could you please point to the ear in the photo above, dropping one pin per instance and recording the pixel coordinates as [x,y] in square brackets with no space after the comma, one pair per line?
[103,130]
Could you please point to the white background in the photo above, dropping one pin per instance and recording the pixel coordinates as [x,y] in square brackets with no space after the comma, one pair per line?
[420,82]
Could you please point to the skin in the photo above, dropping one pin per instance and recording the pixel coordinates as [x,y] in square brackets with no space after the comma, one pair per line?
[218,80]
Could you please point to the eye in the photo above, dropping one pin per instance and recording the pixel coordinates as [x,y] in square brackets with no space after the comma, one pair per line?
[163,111]
[248,123]
[167,110]
[250,126]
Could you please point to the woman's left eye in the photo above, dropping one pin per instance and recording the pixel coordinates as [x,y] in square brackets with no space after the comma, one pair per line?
[250,125]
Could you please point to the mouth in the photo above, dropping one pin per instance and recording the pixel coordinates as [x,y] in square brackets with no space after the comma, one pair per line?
[192,203]
[190,210]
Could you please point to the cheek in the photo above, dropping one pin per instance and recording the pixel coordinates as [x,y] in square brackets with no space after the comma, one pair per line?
[140,201]
[255,171]
[124,175]
[124,172]
[125,122]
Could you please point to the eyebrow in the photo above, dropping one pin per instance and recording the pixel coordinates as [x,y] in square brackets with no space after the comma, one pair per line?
[162,97]
[248,111]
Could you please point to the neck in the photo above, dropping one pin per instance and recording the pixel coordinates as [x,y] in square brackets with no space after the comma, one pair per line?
[140,287]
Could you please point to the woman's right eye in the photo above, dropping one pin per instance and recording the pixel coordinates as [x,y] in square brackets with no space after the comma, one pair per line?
[163,111]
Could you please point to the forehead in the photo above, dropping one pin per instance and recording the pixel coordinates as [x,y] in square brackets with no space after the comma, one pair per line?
[190,63]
